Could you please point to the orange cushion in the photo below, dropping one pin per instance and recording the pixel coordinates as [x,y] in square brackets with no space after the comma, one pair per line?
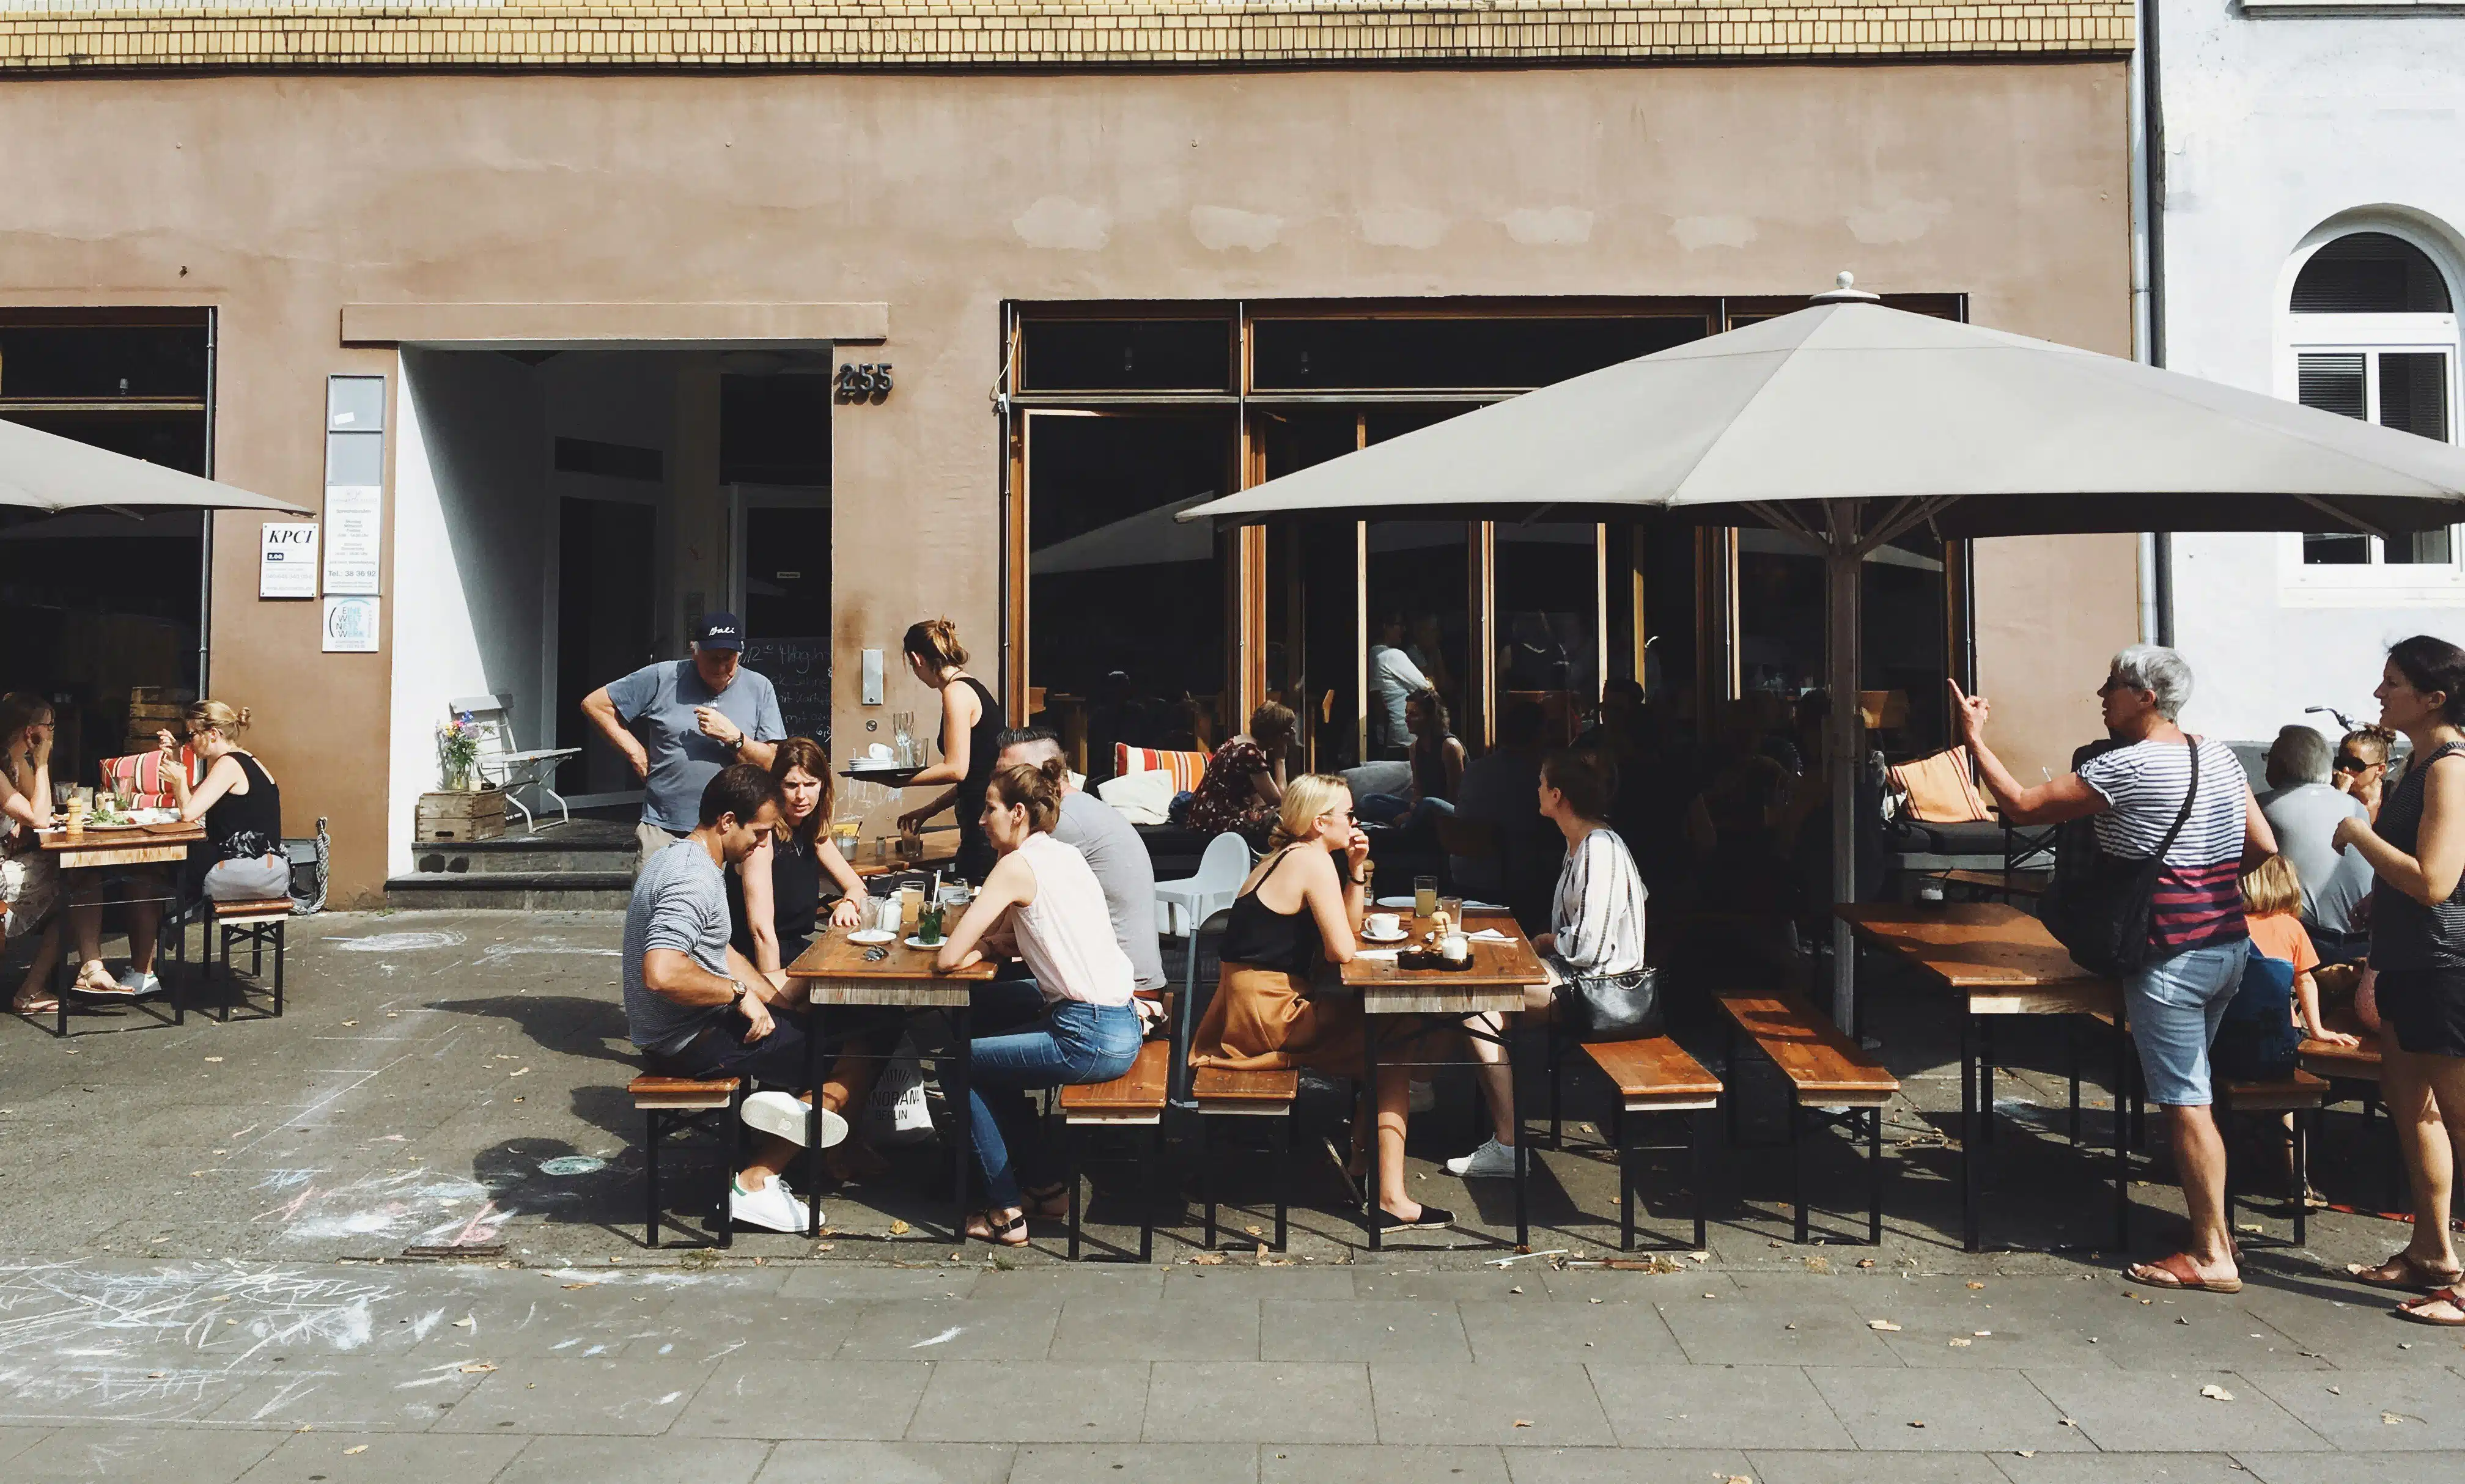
[1941,788]
[1186,767]
[142,773]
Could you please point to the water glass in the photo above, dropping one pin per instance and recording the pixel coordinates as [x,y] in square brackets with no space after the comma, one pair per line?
[1425,895]
[1453,907]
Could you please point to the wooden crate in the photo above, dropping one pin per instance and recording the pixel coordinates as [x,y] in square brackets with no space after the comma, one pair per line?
[457,818]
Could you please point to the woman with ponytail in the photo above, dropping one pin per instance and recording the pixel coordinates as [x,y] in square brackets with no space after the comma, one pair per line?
[972,721]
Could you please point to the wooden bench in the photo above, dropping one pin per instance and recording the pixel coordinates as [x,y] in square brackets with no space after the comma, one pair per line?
[1653,1075]
[1826,1070]
[259,923]
[1217,1092]
[671,1105]
[1134,1099]
[2299,1095]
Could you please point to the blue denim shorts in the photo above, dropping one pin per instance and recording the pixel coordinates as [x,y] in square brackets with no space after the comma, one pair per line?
[2175,1006]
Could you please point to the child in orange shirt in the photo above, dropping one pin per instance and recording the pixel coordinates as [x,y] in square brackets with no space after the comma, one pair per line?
[2271,905]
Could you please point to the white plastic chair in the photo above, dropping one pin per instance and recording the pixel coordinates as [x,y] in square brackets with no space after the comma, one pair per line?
[509,769]
[1184,903]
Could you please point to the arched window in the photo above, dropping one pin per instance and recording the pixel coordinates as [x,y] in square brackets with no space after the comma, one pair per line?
[2372,334]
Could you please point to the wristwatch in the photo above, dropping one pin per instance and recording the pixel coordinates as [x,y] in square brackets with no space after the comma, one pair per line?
[736,1002]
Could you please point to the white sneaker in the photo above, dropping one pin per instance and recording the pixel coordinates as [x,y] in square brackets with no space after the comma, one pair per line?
[784,1114]
[1424,1098]
[135,982]
[1491,1161]
[774,1208]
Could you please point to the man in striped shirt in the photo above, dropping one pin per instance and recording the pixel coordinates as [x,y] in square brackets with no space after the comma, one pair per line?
[2136,794]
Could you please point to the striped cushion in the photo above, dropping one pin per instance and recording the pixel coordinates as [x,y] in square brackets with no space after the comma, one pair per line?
[143,771]
[1940,788]
[1186,767]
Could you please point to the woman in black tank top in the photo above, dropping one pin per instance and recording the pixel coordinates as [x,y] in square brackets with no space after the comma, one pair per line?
[2417,852]
[971,724]
[1263,1016]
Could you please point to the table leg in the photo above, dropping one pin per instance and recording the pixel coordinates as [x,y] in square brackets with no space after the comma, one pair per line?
[1522,1145]
[962,1062]
[1368,1108]
[2121,1140]
[812,1124]
[1968,1239]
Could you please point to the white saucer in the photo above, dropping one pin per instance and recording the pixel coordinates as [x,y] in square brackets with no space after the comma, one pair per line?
[918,942]
[1368,936]
[871,935]
[1397,903]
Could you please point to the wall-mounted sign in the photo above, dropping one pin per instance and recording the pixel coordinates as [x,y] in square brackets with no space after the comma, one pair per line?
[355,408]
[866,382]
[286,559]
[354,521]
[350,626]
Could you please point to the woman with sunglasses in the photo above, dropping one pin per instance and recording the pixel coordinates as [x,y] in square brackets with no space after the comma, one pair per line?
[2361,765]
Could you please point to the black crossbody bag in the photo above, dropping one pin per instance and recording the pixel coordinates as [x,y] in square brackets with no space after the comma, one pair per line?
[2098,904]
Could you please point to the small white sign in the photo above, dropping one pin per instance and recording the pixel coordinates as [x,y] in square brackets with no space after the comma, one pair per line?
[286,559]
[350,626]
[354,522]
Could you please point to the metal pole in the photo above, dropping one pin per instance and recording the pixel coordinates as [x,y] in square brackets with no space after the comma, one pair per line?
[1841,572]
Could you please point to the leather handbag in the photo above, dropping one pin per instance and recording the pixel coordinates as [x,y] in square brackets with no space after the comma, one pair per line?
[2098,904]
[1611,1006]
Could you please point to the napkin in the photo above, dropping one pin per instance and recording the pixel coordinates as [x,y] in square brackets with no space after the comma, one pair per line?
[1376,953]
[1488,935]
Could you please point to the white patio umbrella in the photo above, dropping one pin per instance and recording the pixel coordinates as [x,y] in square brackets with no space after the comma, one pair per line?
[1849,424]
[42,471]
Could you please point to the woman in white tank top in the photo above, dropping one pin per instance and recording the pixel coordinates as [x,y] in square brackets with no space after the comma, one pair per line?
[1073,1022]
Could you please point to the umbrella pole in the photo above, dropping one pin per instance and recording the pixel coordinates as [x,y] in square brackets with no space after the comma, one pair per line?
[1843,634]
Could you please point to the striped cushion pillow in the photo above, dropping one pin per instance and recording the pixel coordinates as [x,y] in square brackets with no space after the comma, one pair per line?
[1186,767]
[142,773]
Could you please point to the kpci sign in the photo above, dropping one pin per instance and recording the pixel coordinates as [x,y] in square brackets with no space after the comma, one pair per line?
[286,559]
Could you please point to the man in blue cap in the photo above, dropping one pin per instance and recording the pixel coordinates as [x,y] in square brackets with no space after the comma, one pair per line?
[693,717]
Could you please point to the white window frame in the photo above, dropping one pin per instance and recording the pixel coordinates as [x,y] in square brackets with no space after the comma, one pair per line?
[2377,583]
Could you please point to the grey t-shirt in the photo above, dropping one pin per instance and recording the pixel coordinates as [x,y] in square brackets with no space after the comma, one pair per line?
[657,701]
[679,903]
[1123,868]
[2333,883]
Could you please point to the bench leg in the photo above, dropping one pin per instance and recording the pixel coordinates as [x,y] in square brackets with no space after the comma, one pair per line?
[1284,1177]
[1557,1072]
[1626,1181]
[1985,1082]
[1969,1153]
[732,1144]
[1069,1136]
[2071,1061]
[1207,1184]
[1149,1149]
[1698,1133]
[2301,1136]
[281,944]
[1797,1166]
[651,1179]
[1874,1177]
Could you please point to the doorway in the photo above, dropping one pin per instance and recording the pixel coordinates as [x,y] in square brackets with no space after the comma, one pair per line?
[605,569]
[783,581]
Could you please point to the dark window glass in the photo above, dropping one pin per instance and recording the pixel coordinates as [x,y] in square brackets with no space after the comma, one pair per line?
[1402,354]
[2335,548]
[99,361]
[774,430]
[611,460]
[175,440]
[2413,393]
[2332,384]
[1312,646]
[1125,355]
[1547,652]
[2371,272]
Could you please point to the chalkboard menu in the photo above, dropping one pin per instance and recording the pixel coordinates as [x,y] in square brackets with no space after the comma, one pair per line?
[799,670]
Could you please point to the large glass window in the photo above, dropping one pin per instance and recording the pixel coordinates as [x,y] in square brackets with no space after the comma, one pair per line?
[1423,353]
[1548,639]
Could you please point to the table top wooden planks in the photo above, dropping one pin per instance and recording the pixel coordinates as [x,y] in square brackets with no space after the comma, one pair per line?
[836,971]
[1494,982]
[2001,957]
[133,845]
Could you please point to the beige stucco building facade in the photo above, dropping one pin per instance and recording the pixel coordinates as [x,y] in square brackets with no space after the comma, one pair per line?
[414,195]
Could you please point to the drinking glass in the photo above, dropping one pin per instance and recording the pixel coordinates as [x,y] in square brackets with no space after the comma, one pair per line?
[1425,895]
[1453,907]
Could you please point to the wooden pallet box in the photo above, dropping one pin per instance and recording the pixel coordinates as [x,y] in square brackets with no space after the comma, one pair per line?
[457,818]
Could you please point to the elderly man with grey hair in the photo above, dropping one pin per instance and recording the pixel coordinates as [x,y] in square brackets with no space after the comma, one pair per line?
[2305,809]
[2143,798]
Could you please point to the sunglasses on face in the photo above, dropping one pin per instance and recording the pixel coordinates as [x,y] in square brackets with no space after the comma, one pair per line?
[2349,764]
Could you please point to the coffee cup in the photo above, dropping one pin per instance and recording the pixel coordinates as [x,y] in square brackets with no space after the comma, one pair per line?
[1455,948]
[1383,924]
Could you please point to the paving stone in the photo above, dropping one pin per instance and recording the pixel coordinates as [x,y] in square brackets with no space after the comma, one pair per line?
[869,1282]
[2425,1468]
[1379,1464]
[2348,1327]
[1782,1467]
[1101,1282]
[799,1461]
[2429,1404]
[939,1329]
[1744,1406]
[1231,1282]
[1308,1330]
[587,1397]
[120,1388]
[1258,1402]
[1752,1331]
[396,1395]
[1521,1334]
[864,1400]
[1490,1283]
[2122,1469]
[562,1460]
[1625,1465]
[390,1458]
[1613,1286]
[1986,1410]
[1212,1328]
[1032,1402]
[2137,1411]
[1123,1463]
[16,1440]
[1525,1406]
[82,1454]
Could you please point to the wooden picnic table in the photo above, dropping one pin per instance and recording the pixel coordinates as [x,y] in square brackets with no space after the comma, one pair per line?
[2001,961]
[1495,983]
[121,846]
[835,971]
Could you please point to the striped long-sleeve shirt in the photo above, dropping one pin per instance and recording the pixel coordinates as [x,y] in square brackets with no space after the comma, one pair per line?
[2199,891]
[1597,915]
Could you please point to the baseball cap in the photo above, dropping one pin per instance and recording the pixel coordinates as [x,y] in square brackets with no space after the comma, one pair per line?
[719,632]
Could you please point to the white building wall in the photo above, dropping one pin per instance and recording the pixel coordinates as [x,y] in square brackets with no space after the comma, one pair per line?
[2278,126]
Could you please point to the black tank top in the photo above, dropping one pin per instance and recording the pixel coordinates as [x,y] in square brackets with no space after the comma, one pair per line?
[795,900]
[1259,936]
[984,739]
[244,826]
[2406,934]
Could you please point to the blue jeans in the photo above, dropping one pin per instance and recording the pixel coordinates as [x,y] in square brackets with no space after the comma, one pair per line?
[1071,1042]
[2175,1006]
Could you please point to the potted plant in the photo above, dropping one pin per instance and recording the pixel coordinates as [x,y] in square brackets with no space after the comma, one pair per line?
[458,752]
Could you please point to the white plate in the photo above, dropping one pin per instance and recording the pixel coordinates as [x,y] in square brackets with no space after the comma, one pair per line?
[1397,903]
[918,942]
[871,935]
[1369,937]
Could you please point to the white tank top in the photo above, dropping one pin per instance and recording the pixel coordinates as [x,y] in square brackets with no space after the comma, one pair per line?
[1066,932]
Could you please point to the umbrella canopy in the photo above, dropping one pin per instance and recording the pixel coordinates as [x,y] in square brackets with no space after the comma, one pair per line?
[42,471]
[1848,424]
[1993,434]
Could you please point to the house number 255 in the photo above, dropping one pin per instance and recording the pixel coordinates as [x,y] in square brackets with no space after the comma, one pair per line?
[868,382]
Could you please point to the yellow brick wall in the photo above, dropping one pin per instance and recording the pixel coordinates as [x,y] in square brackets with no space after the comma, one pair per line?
[71,35]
